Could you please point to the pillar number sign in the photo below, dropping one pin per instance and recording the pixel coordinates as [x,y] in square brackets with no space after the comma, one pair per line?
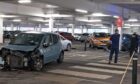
[119,22]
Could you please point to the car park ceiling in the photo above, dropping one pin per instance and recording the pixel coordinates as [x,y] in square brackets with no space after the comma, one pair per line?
[34,12]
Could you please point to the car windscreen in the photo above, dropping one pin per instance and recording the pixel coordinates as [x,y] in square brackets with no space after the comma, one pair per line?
[27,39]
[101,35]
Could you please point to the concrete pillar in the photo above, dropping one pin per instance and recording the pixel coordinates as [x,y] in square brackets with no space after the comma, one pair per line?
[82,29]
[40,28]
[12,26]
[1,30]
[34,28]
[86,30]
[67,29]
[57,28]
[112,29]
[120,41]
[73,25]
[51,24]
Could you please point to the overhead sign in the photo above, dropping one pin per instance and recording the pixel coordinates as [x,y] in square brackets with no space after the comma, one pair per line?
[119,22]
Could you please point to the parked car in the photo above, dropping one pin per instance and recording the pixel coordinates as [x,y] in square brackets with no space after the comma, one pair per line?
[84,37]
[32,50]
[67,35]
[99,40]
[10,34]
[66,43]
[77,37]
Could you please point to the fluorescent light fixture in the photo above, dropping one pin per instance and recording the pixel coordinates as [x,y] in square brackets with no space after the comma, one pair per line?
[135,25]
[132,20]
[24,1]
[58,24]
[81,11]
[126,24]
[115,16]
[126,27]
[99,14]
[85,20]
[7,16]
[53,15]
[132,25]
[51,6]
[96,25]
[41,20]
[17,20]
[104,27]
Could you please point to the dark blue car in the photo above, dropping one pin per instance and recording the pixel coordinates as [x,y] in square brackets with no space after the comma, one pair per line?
[126,40]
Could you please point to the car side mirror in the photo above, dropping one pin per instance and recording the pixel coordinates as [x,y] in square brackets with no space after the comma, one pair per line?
[45,45]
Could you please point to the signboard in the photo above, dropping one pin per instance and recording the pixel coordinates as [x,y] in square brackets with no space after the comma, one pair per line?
[119,22]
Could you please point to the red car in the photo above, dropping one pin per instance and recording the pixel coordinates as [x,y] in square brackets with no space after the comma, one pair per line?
[67,35]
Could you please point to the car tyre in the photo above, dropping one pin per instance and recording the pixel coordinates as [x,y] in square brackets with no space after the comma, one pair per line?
[38,64]
[61,58]
[68,47]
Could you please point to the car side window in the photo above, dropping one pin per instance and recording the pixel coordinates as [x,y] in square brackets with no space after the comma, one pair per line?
[55,39]
[48,40]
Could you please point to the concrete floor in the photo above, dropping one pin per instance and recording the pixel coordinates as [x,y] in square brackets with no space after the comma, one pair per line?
[79,67]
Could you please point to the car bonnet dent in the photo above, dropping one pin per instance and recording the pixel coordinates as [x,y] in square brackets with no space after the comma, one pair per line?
[20,48]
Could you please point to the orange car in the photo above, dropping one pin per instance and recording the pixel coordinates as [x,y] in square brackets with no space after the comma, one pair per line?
[99,40]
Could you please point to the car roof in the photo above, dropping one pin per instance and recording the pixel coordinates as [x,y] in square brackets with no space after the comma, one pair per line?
[38,32]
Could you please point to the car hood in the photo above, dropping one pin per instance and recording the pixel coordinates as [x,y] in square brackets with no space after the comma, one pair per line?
[103,39]
[20,47]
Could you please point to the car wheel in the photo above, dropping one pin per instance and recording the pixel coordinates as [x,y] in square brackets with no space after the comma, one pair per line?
[38,64]
[89,45]
[61,58]
[68,47]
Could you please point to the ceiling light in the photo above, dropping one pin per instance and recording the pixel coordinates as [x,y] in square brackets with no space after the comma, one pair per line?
[24,1]
[99,14]
[7,16]
[104,27]
[51,6]
[81,11]
[126,24]
[98,25]
[41,20]
[115,16]
[131,25]
[85,20]
[53,15]
[126,27]
[132,20]
[17,20]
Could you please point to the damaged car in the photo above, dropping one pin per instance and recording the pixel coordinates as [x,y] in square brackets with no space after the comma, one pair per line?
[32,50]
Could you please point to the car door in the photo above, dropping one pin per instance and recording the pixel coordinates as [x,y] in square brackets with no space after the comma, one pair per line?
[56,47]
[47,50]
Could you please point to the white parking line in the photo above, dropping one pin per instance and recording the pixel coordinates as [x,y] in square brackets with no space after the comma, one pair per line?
[80,74]
[121,63]
[109,66]
[98,69]
[106,61]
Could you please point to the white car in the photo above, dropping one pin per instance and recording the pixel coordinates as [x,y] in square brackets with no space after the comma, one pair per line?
[66,43]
